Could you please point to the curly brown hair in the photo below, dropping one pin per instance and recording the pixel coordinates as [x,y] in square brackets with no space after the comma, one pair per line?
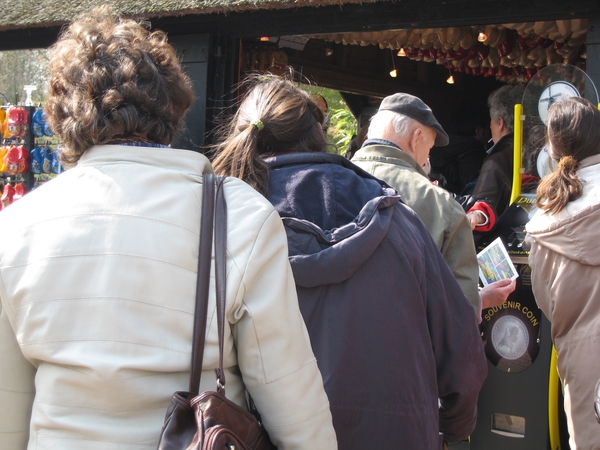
[275,116]
[112,79]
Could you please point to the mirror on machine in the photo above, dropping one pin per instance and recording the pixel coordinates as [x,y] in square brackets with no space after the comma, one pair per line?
[550,85]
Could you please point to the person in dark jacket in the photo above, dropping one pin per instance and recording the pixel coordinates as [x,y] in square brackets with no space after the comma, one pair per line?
[395,338]
[460,161]
[495,178]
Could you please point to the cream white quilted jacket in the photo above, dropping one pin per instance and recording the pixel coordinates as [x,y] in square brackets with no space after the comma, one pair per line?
[97,282]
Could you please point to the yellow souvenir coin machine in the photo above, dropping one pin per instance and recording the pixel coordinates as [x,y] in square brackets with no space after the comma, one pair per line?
[520,404]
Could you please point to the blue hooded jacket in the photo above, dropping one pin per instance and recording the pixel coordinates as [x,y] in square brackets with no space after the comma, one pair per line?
[389,325]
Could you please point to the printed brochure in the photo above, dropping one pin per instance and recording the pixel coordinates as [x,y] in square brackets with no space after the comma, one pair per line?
[495,264]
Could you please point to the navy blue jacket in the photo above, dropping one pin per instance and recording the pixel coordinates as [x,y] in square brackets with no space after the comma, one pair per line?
[389,325]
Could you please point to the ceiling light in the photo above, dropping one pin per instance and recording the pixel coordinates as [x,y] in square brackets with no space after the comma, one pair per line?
[401,52]
[393,72]
[481,37]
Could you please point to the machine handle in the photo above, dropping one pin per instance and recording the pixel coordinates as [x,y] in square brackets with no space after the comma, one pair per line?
[518,144]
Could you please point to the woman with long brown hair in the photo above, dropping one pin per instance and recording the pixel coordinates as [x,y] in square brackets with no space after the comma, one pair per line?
[384,312]
[565,259]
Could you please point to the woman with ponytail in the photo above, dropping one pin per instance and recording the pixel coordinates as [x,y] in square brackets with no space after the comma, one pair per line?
[565,259]
[374,290]
[274,118]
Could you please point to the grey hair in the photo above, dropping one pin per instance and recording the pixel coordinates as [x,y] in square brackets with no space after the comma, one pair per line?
[502,104]
[381,122]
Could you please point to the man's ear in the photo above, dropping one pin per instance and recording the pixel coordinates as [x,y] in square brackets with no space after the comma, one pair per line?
[501,124]
[414,138]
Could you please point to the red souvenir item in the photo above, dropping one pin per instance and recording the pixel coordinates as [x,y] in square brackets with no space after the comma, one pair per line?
[16,160]
[12,161]
[14,123]
[19,192]
[24,123]
[7,195]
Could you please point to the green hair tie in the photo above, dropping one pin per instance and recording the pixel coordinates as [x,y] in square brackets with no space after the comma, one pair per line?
[258,124]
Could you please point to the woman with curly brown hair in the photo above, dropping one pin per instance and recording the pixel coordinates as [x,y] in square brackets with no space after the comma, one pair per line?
[565,259]
[98,268]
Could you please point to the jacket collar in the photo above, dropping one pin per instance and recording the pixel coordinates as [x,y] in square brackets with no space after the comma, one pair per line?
[388,153]
[377,141]
[501,144]
[186,161]
[288,159]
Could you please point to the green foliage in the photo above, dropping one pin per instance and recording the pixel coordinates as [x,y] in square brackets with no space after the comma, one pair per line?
[334,99]
[342,125]
[21,67]
[342,128]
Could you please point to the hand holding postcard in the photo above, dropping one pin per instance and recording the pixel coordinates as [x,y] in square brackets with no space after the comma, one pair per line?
[495,264]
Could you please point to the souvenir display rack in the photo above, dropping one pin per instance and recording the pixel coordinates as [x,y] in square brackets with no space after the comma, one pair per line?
[26,156]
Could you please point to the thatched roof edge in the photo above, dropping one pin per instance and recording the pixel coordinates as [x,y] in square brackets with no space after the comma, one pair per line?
[60,12]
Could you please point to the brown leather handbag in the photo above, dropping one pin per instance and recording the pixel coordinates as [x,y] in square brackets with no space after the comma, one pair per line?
[209,420]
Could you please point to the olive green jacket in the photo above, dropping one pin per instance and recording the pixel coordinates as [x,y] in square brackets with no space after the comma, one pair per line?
[442,215]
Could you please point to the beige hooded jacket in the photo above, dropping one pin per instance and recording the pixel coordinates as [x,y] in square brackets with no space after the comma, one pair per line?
[565,262]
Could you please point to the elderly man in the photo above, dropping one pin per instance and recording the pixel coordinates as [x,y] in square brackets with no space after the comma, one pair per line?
[399,139]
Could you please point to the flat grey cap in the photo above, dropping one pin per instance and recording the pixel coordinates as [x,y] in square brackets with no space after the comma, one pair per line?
[413,107]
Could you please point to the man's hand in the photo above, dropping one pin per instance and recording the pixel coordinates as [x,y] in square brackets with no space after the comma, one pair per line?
[496,293]
[477,218]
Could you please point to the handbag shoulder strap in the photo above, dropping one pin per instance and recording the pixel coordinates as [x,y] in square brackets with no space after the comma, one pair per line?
[217,220]
[203,280]
[221,274]
[221,282]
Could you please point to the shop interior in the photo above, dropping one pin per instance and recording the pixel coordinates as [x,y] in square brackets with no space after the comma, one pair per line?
[450,68]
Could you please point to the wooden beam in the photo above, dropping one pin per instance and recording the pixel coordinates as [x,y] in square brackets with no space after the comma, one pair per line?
[344,79]
[343,18]
[29,38]
[382,16]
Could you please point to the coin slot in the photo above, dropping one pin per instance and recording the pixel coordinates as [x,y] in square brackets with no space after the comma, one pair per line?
[507,425]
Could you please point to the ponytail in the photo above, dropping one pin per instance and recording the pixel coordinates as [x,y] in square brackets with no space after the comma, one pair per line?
[274,117]
[560,187]
[239,157]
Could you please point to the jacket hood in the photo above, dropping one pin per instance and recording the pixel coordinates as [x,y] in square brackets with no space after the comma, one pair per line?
[335,214]
[574,237]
